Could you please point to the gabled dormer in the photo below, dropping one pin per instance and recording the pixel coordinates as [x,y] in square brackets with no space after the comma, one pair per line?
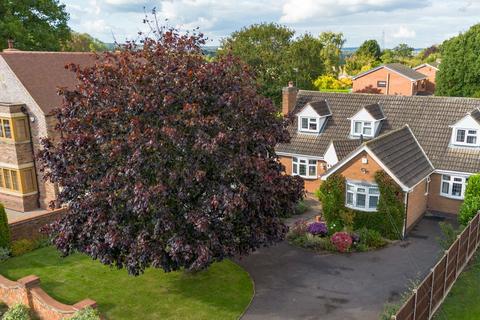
[366,122]
[312,117]
[466,132]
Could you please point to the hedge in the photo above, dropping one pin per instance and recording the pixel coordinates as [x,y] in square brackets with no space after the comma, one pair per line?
[4,229]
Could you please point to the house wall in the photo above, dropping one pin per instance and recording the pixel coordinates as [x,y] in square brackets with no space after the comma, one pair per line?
[12,90]
[311,185]
[437,202]
[431,73]
[396,84]
[417,204]
[355,169]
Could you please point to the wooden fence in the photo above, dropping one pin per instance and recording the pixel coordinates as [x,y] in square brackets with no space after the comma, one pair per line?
[429,295]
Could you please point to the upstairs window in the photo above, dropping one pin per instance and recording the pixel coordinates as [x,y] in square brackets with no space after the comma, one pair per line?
[5,129]
[364,128]
[362,197]
[466,137]
[381,84]
[305,168]
[309,124]
[453,186]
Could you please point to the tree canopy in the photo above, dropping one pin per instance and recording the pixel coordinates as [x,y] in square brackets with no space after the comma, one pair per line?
[83,42]
[34,25]
[459,74]
[332,51]
[276,57]
[369,48]
[167,160]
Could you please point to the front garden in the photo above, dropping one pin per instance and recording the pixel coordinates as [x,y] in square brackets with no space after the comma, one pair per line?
[223,291]
[342,229]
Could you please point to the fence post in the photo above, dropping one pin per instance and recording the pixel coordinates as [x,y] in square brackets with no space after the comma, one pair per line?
[468,241]
[458,254]
[431,292]
[415,305]
[447,252]
[477,239]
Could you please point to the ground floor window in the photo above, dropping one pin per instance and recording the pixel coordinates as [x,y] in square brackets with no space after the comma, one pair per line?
[21,181]
[303,167]
[453,186]
[362,196]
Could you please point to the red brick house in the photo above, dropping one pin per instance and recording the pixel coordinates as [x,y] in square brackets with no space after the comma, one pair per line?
[28,89]
[392,79]
[430,70]
[428,145]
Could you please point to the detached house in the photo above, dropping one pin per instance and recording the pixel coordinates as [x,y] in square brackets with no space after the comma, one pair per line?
[428,145]
[430,70]
[392,79]
[28,94]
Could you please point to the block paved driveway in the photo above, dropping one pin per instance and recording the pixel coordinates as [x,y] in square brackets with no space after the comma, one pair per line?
[293,283]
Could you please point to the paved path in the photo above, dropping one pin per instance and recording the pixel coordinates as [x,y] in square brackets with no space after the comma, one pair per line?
[293,283]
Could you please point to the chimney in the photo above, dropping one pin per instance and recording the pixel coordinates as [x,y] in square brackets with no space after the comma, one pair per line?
[10,43]
[289,98]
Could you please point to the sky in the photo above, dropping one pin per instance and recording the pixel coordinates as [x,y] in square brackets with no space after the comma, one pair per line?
[419,23]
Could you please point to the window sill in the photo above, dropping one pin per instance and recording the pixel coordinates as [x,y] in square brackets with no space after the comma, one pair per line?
[306,177]
[361,209]
[451,197]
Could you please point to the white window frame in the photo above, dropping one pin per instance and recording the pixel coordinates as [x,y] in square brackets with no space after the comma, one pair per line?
[450,180]
[467,134]
[362,128]
[310,120]
[364,189]
[297,162]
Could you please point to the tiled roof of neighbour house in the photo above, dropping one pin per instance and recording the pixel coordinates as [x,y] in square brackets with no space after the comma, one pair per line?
[475,114]
[429,118]
[41,73]
[375,111]
[320,107]
[400,152]
[345,146]
[398,68]
[431,64]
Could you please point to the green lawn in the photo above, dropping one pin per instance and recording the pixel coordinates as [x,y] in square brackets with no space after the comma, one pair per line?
[463,301]
[221,292]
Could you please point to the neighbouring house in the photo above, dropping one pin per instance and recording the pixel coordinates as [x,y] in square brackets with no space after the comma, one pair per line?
[28,91]
[430,70]
[391,79]
[428,145]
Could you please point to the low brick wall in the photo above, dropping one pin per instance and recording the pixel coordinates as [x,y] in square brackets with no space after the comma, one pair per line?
[28,292]
[30,228]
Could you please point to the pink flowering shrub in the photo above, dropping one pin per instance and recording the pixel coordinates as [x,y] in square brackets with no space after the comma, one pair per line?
[342,241]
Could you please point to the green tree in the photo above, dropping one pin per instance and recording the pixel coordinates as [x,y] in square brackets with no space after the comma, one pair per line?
[305,61]
[83,42]
[388,56]
[359,63]
[4,229]
[263,47]
[403,51]
[459,74]
[369,48]
[34,24]
[471,203]
[332,43]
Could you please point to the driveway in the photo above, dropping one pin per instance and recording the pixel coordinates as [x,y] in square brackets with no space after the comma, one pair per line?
[293,283]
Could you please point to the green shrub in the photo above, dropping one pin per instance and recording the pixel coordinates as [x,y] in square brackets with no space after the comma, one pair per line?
[23,246]
[86,314]
[332,195]
[370,239]
[471,203]
[301,207]
[17,312]
[4,229]
[4,254]
[449,235]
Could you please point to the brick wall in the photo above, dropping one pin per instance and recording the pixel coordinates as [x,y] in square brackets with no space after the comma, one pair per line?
[30,228]
[431,74]
[19,202]
[27,291]
[417,204]
[436,202]
[311,185]
[355,169]
[396,84]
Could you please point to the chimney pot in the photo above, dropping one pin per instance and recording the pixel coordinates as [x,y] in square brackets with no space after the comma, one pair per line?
[290,84]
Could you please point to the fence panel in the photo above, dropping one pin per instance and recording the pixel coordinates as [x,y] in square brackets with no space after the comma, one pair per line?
[429,295]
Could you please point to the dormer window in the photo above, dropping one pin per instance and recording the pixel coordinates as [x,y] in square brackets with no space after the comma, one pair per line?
[466,137]
[309,124]
[466,132]
[364,128]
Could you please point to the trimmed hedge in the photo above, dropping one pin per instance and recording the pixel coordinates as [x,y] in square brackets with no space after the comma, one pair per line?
[471,203]
[4,229]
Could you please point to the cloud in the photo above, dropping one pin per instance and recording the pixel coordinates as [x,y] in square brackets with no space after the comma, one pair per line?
[404,33]
[297,11]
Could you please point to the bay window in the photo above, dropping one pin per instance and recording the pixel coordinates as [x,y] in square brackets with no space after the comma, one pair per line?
[453,186]
[303,167]
[18,180]
[362,197]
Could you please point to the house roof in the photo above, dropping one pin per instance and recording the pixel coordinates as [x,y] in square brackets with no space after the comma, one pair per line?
[375,110]
[429,118]
[344,147]
[431,64]
[41,73]
[399,68]
[320,107]
[401,153]
[475,114]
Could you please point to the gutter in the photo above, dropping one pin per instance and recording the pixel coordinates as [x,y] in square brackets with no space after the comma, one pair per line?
[404,236]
